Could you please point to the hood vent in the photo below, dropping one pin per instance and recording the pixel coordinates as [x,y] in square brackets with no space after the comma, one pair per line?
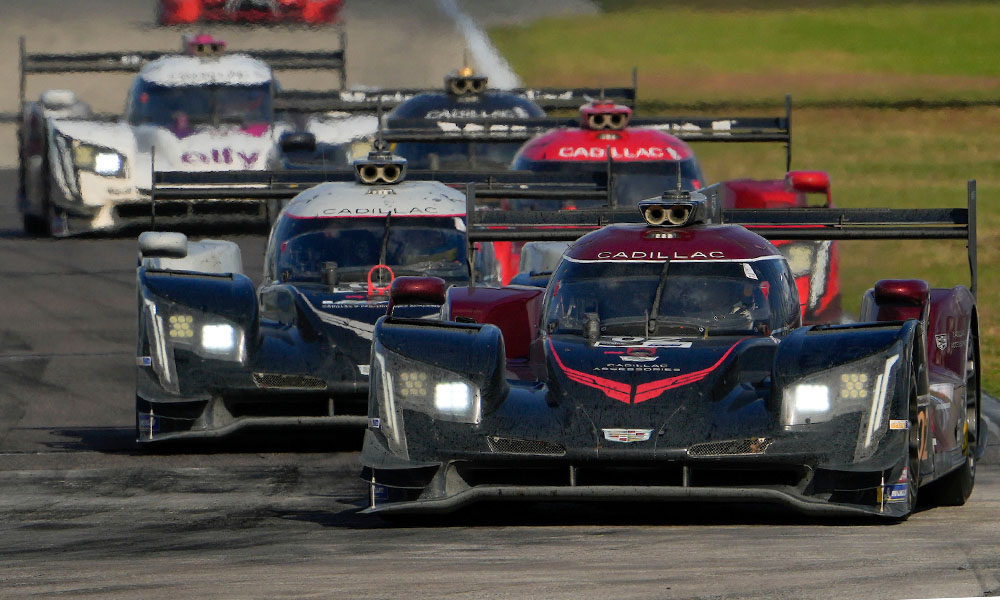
[500,445]
[282,381]
[731,447]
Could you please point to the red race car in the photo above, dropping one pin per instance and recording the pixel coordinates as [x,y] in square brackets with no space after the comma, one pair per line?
[647,155]
[312,12]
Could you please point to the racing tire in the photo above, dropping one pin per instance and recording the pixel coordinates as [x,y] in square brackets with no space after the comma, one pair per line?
[913,448]
[42,226]
[955,488]
[36,226]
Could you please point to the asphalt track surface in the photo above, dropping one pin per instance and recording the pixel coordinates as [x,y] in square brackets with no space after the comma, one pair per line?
[82,514]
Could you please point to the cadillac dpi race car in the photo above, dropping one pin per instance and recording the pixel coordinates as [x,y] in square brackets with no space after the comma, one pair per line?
[466,95]
[311,12]
[216,355]
[203,110]
[644,156]
[666,361]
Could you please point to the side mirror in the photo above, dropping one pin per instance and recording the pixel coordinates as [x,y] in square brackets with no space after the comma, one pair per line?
[297,141]
[909,292]
[162,244]
[416,290]
[809,182]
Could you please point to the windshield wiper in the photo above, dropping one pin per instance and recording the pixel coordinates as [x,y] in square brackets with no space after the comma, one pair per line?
[655,310]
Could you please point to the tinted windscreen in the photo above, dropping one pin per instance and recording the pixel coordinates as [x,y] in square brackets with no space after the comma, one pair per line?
[182,106]
[720,297]
[408,245]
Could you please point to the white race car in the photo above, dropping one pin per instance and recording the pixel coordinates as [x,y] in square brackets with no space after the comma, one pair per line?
[201,110]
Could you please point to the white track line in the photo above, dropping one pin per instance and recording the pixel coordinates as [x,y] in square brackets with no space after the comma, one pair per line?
[484,54]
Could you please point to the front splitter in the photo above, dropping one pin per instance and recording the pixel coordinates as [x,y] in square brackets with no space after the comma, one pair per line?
[784,497]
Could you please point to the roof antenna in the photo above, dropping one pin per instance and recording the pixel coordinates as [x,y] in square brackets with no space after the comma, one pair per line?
[379,140]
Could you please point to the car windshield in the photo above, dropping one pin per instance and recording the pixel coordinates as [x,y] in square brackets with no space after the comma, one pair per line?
[180,107]
[695,298]
[407,245]
[634,181]
[451,156]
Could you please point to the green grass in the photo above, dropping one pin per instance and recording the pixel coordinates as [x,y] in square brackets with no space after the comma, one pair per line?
[921,50]
[897,158]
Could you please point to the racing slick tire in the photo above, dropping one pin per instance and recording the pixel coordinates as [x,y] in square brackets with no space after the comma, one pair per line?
[42,225]
[35,226]
[955,488]
[913,449]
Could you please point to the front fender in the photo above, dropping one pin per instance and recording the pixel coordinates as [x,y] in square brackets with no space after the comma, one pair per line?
[868,372]
[437,353]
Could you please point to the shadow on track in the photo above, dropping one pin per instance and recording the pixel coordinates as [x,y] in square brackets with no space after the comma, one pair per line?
[121,440]
[562,514]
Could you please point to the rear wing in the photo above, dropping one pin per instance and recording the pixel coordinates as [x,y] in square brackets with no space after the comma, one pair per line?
[133,61]
[773,224]
[283,185]
[688,129]
[368,101]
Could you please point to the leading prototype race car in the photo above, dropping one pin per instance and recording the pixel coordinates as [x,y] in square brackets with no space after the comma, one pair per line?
[666,361]
[310,12]
[215,355]
[199,110]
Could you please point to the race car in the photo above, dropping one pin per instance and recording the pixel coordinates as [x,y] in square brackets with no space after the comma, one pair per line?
[465,95]
[203,109]
[215,355]
[666,361]
[648,155]
[310,12]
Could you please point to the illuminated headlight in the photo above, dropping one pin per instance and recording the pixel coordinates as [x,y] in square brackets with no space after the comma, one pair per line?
[861,387]
[204,334]
[218,339]
[810,399]
[799,257]
[100,160]
[106,163]
[453,398]
[433,391]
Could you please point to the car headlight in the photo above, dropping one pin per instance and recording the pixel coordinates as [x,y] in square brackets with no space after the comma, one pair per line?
[218,338]
[205,335]
[441,394]
[98,159]
[861,387]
